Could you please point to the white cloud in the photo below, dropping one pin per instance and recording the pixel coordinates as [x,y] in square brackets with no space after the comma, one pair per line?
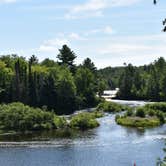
[88,9]
[52,45]
[94,8]
[138,50]
[82,15]
[8,1]
[118,3]
[91,5]
[75,36]
[45,7]
[114,51]
[125,48]
[106,30]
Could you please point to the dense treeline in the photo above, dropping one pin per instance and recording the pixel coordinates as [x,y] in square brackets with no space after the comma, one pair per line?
[146,82]
[60,86]
[64,87]
[111,75]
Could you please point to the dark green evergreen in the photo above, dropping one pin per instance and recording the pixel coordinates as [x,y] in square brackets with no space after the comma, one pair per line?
[146,82]
[66,57]
[61,86]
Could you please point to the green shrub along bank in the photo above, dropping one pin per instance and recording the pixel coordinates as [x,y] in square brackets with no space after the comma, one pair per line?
[97,114]
[84,121]
[18,117]
[111,107]
[156,106]
[150,115]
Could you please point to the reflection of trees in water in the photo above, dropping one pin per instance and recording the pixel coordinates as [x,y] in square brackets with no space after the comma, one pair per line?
[139,132]
[54,135]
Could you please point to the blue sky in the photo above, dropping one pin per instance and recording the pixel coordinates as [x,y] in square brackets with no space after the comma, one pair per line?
[110,32]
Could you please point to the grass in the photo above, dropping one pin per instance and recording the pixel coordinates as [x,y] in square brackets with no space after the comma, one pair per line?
[150,115]
[138,121]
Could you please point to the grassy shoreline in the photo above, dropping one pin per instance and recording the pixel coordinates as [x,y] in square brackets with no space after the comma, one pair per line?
[149,115]
[138,122]
[19,118]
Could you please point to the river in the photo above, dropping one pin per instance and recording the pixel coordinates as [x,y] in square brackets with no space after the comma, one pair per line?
[107,145]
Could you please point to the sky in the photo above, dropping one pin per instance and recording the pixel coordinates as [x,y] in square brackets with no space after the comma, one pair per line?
[110,32]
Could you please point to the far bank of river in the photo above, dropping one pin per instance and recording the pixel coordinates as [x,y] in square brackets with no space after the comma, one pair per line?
[109,144]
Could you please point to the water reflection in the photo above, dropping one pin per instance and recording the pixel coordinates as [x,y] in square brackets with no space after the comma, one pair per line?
[48,135]
[134,132]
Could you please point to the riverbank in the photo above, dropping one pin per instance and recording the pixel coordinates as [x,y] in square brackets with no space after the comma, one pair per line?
[138,122]
[19,118]
[149,115]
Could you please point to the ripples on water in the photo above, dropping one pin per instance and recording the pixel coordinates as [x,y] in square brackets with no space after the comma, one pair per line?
[107,145]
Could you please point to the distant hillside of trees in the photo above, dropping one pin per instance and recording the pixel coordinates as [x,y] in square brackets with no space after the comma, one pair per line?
[146,82]
[111,75]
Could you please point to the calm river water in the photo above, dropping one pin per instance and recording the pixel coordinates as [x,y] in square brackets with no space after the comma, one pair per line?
[108,145]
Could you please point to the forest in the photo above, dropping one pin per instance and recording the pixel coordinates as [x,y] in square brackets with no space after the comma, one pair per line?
[146,82]
[61,86]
